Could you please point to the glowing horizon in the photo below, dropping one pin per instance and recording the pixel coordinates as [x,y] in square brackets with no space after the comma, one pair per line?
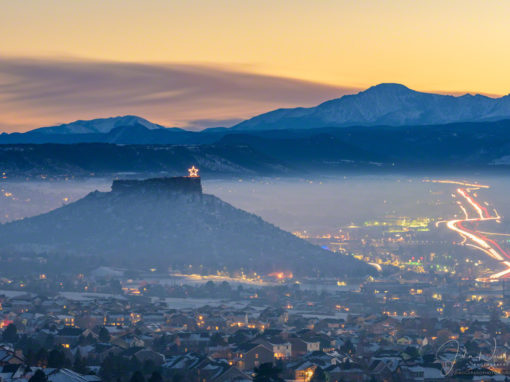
[324,49]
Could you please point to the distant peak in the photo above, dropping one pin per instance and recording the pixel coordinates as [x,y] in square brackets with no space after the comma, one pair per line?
[388,86]
[99,125]
[128,118]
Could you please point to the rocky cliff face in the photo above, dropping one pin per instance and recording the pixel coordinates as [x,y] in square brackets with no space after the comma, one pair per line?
[181,184]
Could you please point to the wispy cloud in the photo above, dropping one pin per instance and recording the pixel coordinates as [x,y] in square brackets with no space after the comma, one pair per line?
[38,92]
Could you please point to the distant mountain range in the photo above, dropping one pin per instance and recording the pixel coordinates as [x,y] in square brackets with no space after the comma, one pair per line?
[127,129]
[385,127]
[385,104]
[168,222]
[381,105]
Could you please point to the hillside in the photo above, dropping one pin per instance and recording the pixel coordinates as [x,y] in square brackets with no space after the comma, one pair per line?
[154,224]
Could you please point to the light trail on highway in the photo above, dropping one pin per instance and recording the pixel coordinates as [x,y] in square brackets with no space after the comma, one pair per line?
[474,185]
[474,238]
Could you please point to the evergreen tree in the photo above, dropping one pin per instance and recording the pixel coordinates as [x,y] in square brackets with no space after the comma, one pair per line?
[217,340]
[267,372]
[107,371]
[10,334]
[319,375]
[49,342]
[348,347]
[41,357]
[137,377]
[56,359]
[79,364]
[29,357]
[39,376]
[104,335]
[155,377]
[148,367]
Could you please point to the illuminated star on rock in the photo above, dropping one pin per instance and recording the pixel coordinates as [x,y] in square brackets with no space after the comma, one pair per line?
[193,172]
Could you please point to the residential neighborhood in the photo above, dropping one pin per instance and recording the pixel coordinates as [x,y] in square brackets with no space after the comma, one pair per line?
[382,330]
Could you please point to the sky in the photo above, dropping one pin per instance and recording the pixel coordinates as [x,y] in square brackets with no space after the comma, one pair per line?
[201,63]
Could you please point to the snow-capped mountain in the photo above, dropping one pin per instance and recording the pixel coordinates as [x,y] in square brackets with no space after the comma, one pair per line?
[94,126]
[385,104]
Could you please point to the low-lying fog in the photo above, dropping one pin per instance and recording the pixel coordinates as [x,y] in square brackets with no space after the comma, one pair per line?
[316,205]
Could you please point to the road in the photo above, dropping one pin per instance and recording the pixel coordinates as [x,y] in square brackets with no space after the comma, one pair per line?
[473,237]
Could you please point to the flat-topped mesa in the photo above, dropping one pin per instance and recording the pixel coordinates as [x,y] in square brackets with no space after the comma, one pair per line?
[180,184]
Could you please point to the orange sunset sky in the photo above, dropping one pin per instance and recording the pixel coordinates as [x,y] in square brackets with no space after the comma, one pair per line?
[201,63]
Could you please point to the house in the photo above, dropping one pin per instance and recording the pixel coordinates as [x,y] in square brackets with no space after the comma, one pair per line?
[251,355]
[10,357]
[145,355]
[304,371]
[68,336]
[13,371]
[301,346]
[346,372]
[282,349]
[24,373]
[412,373]
[183,365]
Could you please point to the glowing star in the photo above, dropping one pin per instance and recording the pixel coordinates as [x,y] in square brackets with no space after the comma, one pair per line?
[193,172]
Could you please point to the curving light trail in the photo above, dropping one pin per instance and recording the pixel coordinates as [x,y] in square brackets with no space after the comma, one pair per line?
[465,184]
[477,239]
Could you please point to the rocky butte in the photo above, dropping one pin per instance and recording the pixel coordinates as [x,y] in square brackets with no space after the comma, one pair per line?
[170,223]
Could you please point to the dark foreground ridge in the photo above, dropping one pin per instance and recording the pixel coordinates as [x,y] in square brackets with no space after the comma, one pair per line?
[170,223]
[481,146]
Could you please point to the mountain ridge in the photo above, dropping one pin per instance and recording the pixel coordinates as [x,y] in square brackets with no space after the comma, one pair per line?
[98,125]
[384,104]
[476,145]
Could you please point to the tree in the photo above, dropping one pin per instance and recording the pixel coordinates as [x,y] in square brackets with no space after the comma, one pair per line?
[49,341]
[137,377]
[79,364]
[41,357]
[134,364]
[10,334]
[217,340]
[29,357]
[160,343]
[104,335]
[155,377]
[443,336]
[267,372]
[412,352]
[319,375]
[348,347]
[148,366]
[107,371]
[56,359]
[472,347]
[39,376]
